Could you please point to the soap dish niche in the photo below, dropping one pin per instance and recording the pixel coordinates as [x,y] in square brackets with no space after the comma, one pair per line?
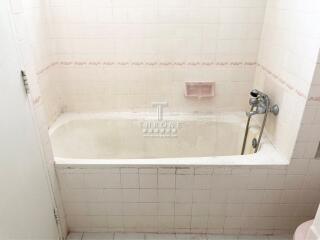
[199,89]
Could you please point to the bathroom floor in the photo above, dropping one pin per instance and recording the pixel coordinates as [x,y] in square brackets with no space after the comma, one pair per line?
[141,236]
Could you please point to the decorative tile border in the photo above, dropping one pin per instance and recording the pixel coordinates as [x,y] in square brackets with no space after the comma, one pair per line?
[46,68]
[287,85]
[181,64]
[152,63]
[148,64]
[280,80]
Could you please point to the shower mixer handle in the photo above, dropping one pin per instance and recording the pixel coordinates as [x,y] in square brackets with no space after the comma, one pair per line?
[275,109]
[159,106]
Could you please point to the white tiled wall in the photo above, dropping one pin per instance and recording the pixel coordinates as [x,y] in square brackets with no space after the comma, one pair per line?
[121,88]
[246,200]
[287,60]
[122,55]
[146,30]
[51,94]
[31,28]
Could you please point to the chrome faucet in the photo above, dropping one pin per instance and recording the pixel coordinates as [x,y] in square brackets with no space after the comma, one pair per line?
[260,104]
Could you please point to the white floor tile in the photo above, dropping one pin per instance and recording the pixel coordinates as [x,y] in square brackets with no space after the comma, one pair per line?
[97,236]
[279,238]
[129,236]
[160,236]
[191,236]
[221,237]
[252,238]
[75,236]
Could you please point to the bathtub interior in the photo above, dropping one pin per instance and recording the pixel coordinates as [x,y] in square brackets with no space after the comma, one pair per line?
[120,136]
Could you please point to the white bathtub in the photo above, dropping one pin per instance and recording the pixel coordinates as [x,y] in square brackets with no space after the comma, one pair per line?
[116,139]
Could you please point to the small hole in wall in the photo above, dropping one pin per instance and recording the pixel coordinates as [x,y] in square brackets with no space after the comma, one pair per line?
[318,151]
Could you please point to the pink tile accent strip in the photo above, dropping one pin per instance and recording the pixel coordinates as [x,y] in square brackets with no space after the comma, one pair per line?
[80,63]
[152,63]
[46,68]
[281,81]
[182,64]
[288,86]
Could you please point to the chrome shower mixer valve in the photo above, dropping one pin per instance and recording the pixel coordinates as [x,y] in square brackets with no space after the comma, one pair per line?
[260,104]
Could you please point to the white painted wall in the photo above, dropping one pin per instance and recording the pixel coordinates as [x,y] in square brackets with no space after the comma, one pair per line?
[25,203]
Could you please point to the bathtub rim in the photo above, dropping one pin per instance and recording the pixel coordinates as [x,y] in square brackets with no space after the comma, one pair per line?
[267,154]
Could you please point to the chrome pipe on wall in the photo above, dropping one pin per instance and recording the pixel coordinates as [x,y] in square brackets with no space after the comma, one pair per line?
[246,134]
[260,104]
